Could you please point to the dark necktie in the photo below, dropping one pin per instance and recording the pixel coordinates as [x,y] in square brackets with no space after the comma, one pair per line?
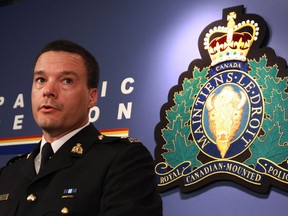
[46,153]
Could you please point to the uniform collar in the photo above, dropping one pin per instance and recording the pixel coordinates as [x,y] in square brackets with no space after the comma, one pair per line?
[59,142]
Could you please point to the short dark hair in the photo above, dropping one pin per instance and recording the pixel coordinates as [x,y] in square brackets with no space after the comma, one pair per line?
[92,66]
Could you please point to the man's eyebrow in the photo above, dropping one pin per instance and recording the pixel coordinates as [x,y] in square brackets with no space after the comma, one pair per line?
[38,72]
[68,73]
[61,73]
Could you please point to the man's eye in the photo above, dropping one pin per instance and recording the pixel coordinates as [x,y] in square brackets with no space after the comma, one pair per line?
[68,81]
[40,80]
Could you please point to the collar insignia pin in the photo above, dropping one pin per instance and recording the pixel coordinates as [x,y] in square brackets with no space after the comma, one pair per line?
[77,149]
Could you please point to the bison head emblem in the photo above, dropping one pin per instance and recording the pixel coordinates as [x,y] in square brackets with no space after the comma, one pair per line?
[225,111]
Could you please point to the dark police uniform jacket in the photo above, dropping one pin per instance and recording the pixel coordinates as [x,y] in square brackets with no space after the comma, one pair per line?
[89,175]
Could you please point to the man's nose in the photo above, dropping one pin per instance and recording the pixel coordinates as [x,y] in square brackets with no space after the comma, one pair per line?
[49,91]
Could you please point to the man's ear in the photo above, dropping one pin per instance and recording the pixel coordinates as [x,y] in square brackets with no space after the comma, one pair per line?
[93,92]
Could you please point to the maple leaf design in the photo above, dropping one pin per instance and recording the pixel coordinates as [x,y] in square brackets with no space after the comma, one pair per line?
[182,152]
[273,144]
[176,133]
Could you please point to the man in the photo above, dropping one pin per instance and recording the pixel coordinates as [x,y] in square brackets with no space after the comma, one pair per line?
[87,173]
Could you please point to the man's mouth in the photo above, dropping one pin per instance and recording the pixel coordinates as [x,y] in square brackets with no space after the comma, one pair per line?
[46,107]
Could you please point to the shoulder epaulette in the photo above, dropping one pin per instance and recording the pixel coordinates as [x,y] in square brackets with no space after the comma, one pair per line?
[131,140]
[107,139]
[17,158]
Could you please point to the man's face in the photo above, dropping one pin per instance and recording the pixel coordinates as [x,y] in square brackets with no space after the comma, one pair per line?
[60,97]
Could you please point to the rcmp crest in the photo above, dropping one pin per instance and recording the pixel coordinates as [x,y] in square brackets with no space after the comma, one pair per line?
[227,117]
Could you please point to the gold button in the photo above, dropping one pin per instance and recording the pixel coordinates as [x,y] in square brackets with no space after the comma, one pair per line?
[100,137]
[65,210]
[31,198]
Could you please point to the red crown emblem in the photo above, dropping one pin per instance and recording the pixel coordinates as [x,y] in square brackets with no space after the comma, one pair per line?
[234,41]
